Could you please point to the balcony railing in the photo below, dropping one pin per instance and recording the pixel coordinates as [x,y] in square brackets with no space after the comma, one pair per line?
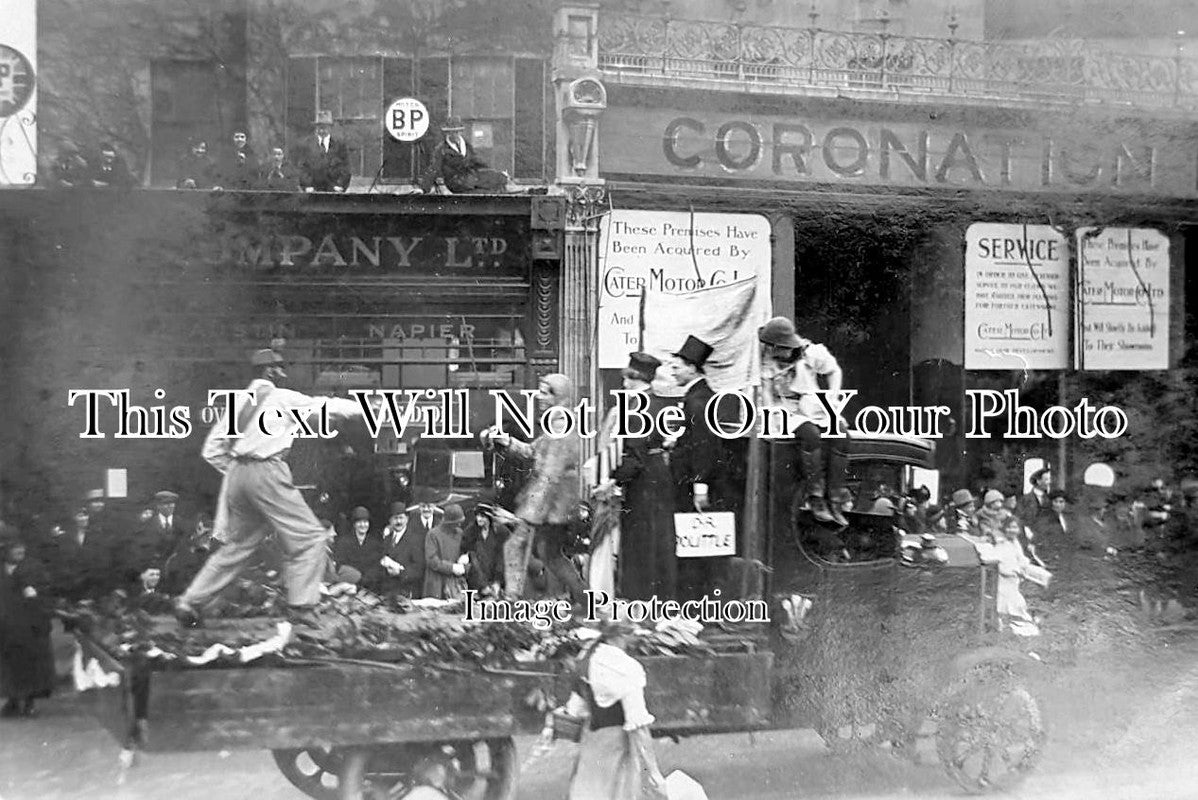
[1062,70]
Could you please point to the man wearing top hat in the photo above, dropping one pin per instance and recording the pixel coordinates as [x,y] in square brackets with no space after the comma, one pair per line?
[258,496]
[700,464]
[454,165]
[323,161]
[791,371]
[403,556]
[647,563]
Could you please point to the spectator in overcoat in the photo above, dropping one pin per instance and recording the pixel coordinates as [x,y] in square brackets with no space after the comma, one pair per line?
[26,655]
[445,564]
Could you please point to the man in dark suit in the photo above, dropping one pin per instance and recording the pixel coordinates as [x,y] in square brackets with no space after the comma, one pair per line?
[238,167]
[278,174]
[698,453]
[403,556]
[82,562]
[323,161]
[1036,503]
[425,516]
[454,165]
[162,532]
[361,549]
[111,172]
[699,463]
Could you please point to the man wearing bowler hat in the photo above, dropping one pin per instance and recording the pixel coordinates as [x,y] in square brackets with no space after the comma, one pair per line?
[258,495]
[425,515]
[323,161]
[699,462]
[791,371]
[403,556]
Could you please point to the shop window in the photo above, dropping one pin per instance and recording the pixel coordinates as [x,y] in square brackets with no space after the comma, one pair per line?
[501,100]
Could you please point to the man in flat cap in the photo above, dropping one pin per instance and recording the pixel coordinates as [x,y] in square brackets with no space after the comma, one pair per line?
[258,495]
[162,533]
[791,371]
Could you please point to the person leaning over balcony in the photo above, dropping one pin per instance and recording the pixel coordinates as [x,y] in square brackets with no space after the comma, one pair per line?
[454,165]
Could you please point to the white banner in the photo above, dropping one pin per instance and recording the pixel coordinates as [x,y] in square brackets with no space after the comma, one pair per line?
[674,263]
[18,93]
[1123,305]
[1016,297]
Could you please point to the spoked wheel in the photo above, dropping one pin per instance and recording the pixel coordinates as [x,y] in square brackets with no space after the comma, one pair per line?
[484,770]
[314,770]
[990,737]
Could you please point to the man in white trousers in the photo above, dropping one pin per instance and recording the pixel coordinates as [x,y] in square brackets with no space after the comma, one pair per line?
[258,496]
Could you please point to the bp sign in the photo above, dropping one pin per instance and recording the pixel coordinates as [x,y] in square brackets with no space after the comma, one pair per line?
[406,120]
[16,81]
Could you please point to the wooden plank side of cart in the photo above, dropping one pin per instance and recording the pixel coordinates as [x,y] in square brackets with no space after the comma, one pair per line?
[348,704]
[719,693]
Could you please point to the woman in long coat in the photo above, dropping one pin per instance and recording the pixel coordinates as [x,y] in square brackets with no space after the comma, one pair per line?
[26,656]
[648,565]
[444,570]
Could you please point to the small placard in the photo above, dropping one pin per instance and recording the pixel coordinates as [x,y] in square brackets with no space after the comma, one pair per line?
[116,484]
[705,535]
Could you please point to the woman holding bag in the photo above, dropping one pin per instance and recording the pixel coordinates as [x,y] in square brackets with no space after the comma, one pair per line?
[618,750]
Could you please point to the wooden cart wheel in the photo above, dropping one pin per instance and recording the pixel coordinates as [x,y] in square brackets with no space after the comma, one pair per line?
[313,770]
[990,737]
[488,769]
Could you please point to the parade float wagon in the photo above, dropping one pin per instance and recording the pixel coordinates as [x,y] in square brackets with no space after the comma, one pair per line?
[862,650]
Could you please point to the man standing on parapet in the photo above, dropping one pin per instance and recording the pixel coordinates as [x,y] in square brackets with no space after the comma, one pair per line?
[257,495]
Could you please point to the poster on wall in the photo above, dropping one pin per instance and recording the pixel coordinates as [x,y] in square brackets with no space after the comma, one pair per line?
[1016,297]
[1123,303]
[667,274]
[18,94]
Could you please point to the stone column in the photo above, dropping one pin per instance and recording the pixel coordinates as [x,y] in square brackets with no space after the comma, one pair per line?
[581,100]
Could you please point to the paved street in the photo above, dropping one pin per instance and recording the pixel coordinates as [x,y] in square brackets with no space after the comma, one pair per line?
[1108,738]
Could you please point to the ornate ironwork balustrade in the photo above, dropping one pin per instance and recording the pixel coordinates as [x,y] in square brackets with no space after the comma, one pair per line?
[1062,70]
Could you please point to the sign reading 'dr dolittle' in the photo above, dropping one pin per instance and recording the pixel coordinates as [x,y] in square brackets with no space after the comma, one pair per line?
[1123,308]
[705,535]
[1016,297]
